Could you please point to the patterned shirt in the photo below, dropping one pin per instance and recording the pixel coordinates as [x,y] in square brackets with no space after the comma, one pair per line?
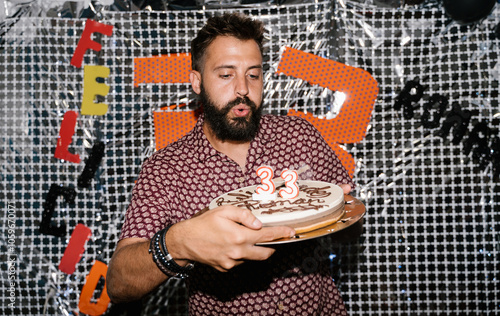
[184,177]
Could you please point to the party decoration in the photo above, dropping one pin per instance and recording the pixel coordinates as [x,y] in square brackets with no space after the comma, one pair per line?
[495,157]
[91,165]
[66,133]
[172,125]
[75,248]
[172,68]
[49,207]
[359,87]
[412,93]
[441,102]
[85,304]
[291,190]
[478,142]
[457,118]
[408,97]
[86,41]
[92,88]
[429,202]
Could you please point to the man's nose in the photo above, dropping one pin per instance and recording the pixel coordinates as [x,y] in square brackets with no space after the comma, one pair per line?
[241,88]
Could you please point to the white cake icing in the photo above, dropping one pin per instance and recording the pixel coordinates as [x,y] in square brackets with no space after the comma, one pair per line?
[316,199]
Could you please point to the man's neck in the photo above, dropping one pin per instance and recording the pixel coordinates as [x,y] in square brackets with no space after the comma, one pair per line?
[236,150]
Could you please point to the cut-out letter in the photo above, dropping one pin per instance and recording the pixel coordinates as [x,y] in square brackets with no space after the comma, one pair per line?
[91,165]
[65,136]
[49,206]
[458,118]
[478,143]
[85,304]
[75,248]
[86,41]
[91,88]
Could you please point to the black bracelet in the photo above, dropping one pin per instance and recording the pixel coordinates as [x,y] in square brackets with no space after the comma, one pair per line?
[163,259]
[172,265]
[154,251]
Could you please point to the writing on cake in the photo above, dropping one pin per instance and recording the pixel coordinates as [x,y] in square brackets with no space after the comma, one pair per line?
[312,198]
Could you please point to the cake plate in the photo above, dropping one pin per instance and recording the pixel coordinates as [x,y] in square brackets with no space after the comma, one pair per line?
[354,210]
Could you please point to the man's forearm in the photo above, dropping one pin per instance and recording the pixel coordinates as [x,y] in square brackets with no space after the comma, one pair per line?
[132,273]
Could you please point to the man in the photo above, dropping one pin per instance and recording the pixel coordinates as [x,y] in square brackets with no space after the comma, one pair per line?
[161,238]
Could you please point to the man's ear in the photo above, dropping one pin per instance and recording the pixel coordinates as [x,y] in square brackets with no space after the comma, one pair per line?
[195,79]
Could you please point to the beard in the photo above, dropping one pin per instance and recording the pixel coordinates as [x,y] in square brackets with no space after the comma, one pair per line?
[232,129]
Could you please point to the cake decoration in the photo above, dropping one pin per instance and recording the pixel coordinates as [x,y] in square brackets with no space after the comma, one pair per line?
[315,200]
[291,189]
[265,191]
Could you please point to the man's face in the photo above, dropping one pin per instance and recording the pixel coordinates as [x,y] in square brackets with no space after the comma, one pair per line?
[228,127]
[230,87]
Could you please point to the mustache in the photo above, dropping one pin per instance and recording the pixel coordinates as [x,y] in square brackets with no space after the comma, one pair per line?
[240,100]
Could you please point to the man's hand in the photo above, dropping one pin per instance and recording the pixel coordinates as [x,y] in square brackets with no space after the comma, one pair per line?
[346,187]
[222,238]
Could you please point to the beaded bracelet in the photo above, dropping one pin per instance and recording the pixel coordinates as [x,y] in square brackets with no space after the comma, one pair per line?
[163,259]
[154,251]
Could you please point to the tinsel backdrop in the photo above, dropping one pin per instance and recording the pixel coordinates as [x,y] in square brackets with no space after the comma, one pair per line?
[427,169]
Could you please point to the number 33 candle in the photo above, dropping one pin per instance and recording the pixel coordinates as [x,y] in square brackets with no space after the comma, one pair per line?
[266,191]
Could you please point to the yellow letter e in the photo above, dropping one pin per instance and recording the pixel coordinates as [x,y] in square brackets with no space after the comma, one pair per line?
[91,88]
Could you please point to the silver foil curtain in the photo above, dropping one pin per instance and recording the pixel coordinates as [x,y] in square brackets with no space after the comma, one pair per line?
[427,170]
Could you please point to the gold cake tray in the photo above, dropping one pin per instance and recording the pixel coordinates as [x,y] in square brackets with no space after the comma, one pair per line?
[354,210]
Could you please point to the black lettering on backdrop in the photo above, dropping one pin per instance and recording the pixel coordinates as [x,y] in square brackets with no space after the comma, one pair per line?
[46,227]
[458,119]
[481,141]
[410,95]
[91,165]
[435,99]
[478,143]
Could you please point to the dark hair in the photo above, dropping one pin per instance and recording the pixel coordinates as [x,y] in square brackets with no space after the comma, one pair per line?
[230,24]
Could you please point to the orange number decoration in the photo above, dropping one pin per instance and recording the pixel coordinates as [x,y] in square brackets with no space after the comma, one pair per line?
[349,126]
[292,190]
[85,304]
[360,88]
[266,175]
[173,68]
[170,125]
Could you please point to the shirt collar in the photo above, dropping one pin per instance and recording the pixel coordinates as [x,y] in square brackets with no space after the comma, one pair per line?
[205,150]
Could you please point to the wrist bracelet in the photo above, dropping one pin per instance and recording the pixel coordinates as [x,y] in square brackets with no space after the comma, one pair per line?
[163,259]
[156,260]
[172,265]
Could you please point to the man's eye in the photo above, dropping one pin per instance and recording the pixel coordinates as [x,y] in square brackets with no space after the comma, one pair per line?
[225,76]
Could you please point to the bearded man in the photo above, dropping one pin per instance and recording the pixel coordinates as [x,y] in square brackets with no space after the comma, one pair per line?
[227,273]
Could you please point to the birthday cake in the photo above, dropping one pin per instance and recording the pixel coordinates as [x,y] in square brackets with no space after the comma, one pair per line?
[318,204]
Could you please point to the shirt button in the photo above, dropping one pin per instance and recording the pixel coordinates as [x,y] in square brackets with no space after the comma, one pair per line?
[241,180]
[281,307]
